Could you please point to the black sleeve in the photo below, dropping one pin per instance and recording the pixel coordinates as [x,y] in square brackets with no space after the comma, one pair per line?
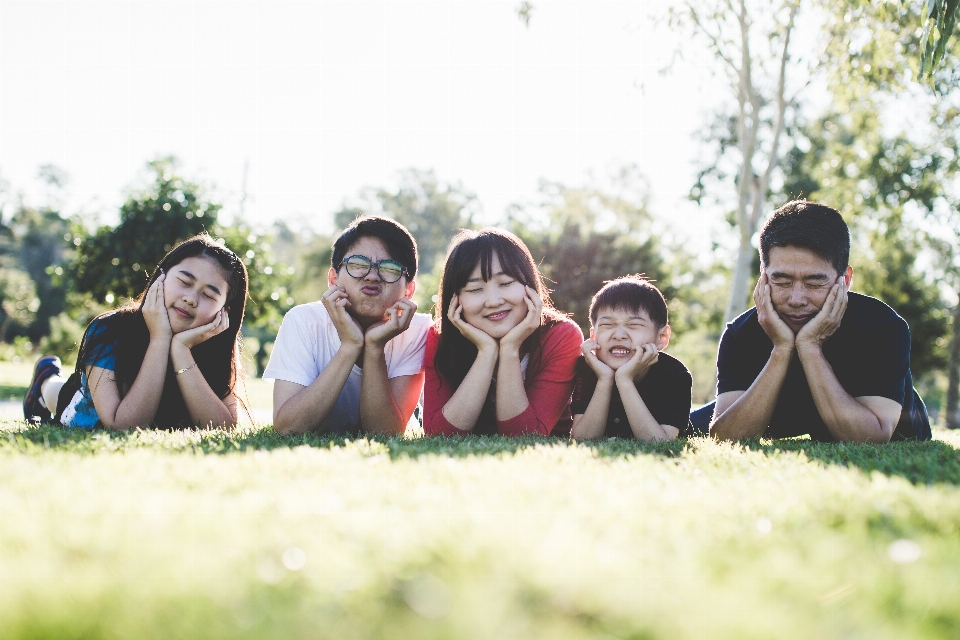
[670,400]
[730,371]
[585,384]
[885,359]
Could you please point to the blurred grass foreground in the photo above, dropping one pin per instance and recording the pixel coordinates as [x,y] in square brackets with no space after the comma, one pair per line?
[210,534]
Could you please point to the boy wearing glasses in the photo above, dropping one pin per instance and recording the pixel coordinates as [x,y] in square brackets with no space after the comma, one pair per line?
[625,386]
[352,361]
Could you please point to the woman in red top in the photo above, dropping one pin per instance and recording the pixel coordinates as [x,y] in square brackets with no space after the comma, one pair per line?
[499,358]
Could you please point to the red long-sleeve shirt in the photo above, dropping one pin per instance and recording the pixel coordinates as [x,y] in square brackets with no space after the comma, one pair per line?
[548,388]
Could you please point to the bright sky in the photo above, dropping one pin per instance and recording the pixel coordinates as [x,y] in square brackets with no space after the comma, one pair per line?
[323,98]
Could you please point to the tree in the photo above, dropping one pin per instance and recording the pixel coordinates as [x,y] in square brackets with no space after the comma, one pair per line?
[585,236]
[752,44]
[433,211]
[113,262]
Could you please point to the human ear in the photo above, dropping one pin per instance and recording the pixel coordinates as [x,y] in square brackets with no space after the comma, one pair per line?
[848,277]
[593,335]
[331,277]
[410,288]
[663,338]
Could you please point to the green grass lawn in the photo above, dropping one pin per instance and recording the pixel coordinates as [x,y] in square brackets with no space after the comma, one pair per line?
[209,534]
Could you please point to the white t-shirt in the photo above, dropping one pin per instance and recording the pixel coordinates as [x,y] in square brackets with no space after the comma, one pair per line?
[307,342]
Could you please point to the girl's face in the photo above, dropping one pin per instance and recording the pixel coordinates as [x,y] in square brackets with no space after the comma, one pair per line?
[193,292]
[494,306]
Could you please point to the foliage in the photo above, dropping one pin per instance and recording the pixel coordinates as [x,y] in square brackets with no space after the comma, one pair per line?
[938,28]
[585,236]
[881,184]
[433,211]
[751,42]
[116,261]
[249,534]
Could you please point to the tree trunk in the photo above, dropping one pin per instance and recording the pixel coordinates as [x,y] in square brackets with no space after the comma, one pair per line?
[260,358]
[741,279]
[953,379]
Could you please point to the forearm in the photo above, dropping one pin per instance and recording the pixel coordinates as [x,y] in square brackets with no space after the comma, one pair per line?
[139,406]
[749,415]
[379,412]
[845,418]
[642,423]
[593,423]
[512,397]
[308,408]
[464,407]
[205,407]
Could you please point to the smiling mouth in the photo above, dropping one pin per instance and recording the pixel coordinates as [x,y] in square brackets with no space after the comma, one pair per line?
[499,315]
[799,319]
[619,351]
[182,313]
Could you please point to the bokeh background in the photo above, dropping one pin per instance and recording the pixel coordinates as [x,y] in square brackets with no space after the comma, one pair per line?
[614,137]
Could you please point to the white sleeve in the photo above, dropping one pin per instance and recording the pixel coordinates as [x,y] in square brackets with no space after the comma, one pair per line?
[407,356]
[293,357]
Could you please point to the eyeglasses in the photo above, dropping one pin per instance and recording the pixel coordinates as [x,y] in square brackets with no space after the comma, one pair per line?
[359,266]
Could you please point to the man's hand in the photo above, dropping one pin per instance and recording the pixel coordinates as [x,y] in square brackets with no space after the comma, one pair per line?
[527,326]
[336,303]
[396,321]
[772,324]
[481,339]
[827,321]
[636,368]
[603,371]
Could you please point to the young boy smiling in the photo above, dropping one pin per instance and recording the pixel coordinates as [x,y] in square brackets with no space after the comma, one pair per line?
[625,386]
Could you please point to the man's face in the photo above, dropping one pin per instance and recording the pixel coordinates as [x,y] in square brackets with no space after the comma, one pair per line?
[370,296]
[800,282]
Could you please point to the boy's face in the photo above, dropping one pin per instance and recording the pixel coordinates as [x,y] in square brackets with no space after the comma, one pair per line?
[620,332]
[370,296]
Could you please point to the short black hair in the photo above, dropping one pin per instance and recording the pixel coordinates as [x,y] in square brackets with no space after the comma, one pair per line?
[630,293]
[809,225]
[394,236]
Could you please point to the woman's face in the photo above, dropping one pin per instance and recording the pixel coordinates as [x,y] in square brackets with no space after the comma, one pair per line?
[494,306]
[193,292]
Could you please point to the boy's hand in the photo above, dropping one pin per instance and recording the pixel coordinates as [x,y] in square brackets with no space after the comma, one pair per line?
[154,311]
[770,321]
[637,367]
[483,340]
[588,348]
[396,321]
[336,303]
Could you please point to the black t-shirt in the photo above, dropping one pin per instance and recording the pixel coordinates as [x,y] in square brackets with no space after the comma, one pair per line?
[869,354]
[666,390]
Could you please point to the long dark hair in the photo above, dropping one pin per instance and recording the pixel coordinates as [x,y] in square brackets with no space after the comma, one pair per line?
[125,330]
[455,353]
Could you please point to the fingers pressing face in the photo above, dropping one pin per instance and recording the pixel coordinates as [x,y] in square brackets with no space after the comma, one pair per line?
[494,306]
[800,282]
[370,296]
[619,333]
[194,293]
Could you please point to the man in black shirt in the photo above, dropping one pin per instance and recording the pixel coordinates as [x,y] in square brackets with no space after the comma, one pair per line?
[625,386]
[811,357]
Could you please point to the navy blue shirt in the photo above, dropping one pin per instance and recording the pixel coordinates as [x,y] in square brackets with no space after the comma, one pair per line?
[869,354]
[666,390]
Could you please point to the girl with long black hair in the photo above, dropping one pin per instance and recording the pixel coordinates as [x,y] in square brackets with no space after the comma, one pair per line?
[168,359]
[500,358]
